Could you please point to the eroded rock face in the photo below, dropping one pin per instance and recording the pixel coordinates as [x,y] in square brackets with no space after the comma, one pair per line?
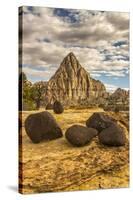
[58,107]
[98,89]
[113,136]
[100,121]
[49,106]
[120,94]
[72,82]
[119,100]
[79,135]
[42,126]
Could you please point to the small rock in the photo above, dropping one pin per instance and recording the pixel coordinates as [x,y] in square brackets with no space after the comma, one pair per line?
[41,126]
[100,121]
[113,136]
[79,135]
[57,107]
[49,106]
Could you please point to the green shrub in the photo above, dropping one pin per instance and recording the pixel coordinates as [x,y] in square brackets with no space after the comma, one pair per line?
[28,105]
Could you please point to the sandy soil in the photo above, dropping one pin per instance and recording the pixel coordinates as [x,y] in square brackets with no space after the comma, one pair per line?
[58,166]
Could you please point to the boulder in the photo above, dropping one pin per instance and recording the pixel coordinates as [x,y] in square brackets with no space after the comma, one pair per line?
[79,135]
[112,136]
[49,106]
[100,121]
[40,126]
[57,107]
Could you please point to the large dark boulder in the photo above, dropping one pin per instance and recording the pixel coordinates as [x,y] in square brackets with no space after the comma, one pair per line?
[58,107]
[49,106]
[40,126]
[79,135]
[100,121]
[112,136]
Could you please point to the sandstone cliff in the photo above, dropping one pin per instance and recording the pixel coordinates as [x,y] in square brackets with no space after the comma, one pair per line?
[120,94]
[72,82]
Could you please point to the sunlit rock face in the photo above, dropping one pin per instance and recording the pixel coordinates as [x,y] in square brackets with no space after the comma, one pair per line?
[120,94]
[71,82]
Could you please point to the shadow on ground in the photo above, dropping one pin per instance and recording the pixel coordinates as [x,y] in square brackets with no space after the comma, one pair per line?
[14,188]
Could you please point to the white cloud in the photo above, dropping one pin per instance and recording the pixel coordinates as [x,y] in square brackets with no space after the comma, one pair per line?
[48,38]
[111,88]
[95,75]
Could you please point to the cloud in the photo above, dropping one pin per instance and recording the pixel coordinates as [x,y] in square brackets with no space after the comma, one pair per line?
[111,88]
[100,40]
[36,74]
[119,20]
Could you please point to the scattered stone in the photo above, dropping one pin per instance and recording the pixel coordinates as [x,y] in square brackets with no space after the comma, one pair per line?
[100,121]
[79,135]
[113,136]
[41,126]
[49,106]
[57,107]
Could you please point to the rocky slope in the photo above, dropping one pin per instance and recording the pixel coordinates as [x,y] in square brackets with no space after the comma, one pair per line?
[72,82]
[120,94]
[119,100]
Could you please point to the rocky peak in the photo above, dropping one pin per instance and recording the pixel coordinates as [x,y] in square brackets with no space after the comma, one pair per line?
[70,58]
[72,82]
[120,93]
[70,65]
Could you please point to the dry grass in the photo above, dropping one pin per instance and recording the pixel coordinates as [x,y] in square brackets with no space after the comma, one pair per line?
[57,166]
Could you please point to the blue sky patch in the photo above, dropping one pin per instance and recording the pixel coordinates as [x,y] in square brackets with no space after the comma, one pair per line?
[65,13]
[119,43]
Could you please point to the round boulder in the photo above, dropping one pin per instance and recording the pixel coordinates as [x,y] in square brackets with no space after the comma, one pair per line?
[100,121]
[49,106]
[79,135]
[40,126]
[57,107]
[113,136]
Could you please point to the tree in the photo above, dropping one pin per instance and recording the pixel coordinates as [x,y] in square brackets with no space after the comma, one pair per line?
[25,93]
[37,93]
[30,95]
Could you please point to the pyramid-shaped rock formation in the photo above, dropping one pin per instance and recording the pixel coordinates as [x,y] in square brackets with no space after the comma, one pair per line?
[72,82]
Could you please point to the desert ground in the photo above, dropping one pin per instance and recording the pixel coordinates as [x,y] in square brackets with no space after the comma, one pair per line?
[56,165]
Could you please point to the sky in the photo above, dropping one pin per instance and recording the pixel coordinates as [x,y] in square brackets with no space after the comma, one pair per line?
[99,40]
